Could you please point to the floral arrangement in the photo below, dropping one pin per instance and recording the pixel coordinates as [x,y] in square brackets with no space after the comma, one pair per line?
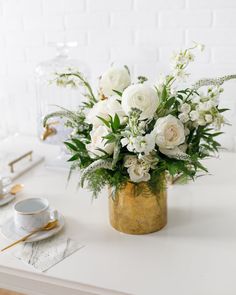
[134,132]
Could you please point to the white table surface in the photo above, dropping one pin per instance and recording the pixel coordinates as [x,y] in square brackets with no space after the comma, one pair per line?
[194,254]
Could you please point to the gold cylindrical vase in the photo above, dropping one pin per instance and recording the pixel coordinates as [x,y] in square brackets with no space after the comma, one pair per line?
[136,209]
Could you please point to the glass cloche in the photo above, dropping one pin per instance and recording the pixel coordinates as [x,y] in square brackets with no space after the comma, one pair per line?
[50,97]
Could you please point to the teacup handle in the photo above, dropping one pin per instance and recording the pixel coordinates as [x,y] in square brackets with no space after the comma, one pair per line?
[53,214]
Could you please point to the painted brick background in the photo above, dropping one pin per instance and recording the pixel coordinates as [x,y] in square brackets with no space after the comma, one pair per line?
[139,33]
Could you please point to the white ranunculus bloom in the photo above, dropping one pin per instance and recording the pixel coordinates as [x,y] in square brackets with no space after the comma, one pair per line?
[138,173]
[142,97]
[169,132]
[98,110]
[115,78]
[97,141]
[103,109]
[114,107]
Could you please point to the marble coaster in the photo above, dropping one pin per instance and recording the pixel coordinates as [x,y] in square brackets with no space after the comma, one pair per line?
[45,254]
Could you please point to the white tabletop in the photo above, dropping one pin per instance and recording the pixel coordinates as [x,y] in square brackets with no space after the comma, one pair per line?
[194,254]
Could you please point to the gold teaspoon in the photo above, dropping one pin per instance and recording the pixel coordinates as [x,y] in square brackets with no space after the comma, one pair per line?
[47,227]
[14,190]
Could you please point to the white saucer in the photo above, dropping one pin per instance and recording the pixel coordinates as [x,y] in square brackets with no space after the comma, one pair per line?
[7,199]
[12,233]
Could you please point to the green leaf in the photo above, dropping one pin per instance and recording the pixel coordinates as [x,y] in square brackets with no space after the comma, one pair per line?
[170,103]
[78,143]
[103,151]
[117,92]
[107,123]
[127,68]
[116,122]
[164,94]
[74,158]
[71,146]
[223,110]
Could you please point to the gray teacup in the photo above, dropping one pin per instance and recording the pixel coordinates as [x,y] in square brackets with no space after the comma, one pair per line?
[31,214]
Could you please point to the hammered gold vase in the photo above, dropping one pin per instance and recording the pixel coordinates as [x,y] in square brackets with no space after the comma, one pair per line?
[136,210]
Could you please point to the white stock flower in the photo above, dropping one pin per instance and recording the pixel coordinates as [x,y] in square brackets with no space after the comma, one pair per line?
[200,46]
[194,115]
[169,132]
[184,117]
[208,118]
[103,109]
[206,106]
[185,108]
[140,144]
[142,97]
[97,141]
[201,121]
[115,78]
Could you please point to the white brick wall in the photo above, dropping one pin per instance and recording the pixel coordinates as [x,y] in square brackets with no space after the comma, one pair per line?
[140,33]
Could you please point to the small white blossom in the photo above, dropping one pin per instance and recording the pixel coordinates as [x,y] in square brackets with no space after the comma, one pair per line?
[201,122]
[194,115]
[184,117]
[140,144]
[185,108]
[208,118]
[186,131]
[200,46]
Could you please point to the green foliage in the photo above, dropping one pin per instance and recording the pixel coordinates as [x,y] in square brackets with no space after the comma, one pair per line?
[142,79]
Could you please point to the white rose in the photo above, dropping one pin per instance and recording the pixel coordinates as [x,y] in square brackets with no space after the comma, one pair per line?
[138,173]
[103,109]
[130,161]
[97,141]
[141,97]
[169,132]
[115,78]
